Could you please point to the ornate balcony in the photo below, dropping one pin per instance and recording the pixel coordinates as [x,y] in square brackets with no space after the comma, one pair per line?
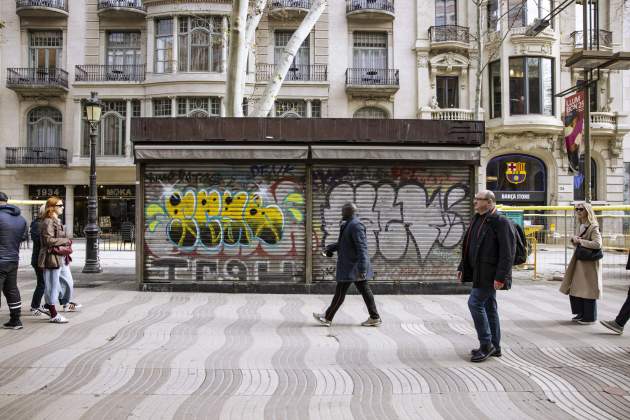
[452,114]
[110,73]
[604,38]
[36,156]
[603,122]
[297,73]
[121,8]
[283,9]
[449,37]
[370,9]
[42,8]
[372,83]
[38,81]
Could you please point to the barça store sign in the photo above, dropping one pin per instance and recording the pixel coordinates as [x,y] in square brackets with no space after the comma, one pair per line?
[517,179]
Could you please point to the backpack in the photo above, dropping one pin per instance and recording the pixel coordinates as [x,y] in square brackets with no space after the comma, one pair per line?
[520,254]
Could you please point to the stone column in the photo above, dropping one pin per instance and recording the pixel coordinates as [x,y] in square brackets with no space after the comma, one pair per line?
[173,106]
[77,123]
[175,44]
[309,108]
[150,45]
[224,40]
[424,82]
[69,210]
[222,106]
[128,130]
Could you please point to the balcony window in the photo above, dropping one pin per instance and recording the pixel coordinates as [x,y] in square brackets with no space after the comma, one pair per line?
[531,86]
[164,45]
[494,16]
[292,108]
[300,67]
[162,107]
[44,127]
[111,138]
[370,112]
[123,48]
[370,50]
[447,95]
[198,107]
[445,12]
[523,12]
[495,89]
[45,49]
[200,44]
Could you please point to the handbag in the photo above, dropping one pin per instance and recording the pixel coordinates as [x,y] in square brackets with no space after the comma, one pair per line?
[588,254]
[62,250]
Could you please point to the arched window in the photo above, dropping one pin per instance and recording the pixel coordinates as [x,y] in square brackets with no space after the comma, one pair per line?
[112,133]
[371,112]
[44,127]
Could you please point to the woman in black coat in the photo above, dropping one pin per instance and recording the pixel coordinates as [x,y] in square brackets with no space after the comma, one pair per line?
[36,304]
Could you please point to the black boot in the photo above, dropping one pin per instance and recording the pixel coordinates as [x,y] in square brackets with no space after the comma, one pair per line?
[485,351]
[14,322]
[497,353]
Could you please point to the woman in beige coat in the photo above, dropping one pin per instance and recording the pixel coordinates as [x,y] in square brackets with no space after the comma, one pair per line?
[583,279]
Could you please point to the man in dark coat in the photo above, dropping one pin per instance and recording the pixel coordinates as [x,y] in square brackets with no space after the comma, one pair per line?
[487,259]
[12,233]
[617,325]
[353,266]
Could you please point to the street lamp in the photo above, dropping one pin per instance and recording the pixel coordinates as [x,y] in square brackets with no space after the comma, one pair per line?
[93,108]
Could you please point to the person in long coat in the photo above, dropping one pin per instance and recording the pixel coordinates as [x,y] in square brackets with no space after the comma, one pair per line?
[623,316]
[353,267]
[583,279]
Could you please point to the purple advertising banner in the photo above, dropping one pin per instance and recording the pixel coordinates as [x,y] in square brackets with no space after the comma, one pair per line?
[574,128]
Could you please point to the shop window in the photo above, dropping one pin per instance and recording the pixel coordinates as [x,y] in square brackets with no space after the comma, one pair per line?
[200,44]
[523,12]
[579,192]
[162,107]
[517,178]
[445,12]
[164,45]
[447,95]
[531,86]
[495,89]
[300,67]
[116,207]
[111,140]
[371,112]
[44,127]
[198,107]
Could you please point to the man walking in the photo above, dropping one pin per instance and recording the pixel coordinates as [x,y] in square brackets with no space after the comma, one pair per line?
[12,233]
[353,266]
[487,259]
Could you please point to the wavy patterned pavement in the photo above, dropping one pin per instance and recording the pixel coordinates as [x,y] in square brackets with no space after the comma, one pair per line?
[141,355]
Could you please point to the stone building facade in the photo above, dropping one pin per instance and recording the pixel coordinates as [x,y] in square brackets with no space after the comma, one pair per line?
[363,59]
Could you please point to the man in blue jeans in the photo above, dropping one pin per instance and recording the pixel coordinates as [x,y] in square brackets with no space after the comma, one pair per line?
[487,257]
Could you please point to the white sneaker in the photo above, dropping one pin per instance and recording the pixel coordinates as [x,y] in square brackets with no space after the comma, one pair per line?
[72,307]
[38,312]
[59,319]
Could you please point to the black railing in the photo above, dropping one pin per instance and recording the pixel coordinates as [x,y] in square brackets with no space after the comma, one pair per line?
[110,73]
[446,33]
[356,5]
[37,156]
[37,76]
[306,73]
[130,4]
[601,37]
[54,4]
[297,4]
[368,77]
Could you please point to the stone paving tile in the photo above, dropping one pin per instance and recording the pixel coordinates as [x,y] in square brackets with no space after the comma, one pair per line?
[217,356]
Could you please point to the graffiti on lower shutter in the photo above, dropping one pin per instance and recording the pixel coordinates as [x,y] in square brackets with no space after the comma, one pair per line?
[415,217]
[243,223]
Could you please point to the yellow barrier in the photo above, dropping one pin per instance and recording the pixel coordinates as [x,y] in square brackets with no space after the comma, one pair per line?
[567,208]
[27,202]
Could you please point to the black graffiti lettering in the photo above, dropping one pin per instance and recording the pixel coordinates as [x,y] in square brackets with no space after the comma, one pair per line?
[236,269]
[172,264]
[206,267]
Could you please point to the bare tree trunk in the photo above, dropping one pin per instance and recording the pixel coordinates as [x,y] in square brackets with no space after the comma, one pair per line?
[252,22]
[237,59]
[273,86]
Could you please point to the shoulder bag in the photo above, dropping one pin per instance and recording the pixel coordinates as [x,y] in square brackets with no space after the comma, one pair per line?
[588,254]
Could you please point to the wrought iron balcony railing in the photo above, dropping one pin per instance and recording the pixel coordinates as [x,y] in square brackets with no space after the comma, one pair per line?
[37,77]
[53,4]
[295,4]
[449,33]
[110,73]
[380,5]
[28,156]
[601,37]
[372,77]
[300,73]
[129,4]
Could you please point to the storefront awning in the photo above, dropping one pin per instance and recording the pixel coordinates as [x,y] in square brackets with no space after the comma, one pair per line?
[395,153]
[220,152]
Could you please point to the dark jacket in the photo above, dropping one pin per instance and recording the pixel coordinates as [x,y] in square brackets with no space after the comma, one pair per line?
[493,255]
[353,258]
[52,234]
[12,233]
[35,237]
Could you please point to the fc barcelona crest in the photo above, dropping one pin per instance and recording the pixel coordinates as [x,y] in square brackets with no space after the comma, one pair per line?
[516,172]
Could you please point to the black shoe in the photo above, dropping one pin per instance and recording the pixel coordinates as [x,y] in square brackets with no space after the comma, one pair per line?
[483,353]
[13,324]
[497,352]
[576,318]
